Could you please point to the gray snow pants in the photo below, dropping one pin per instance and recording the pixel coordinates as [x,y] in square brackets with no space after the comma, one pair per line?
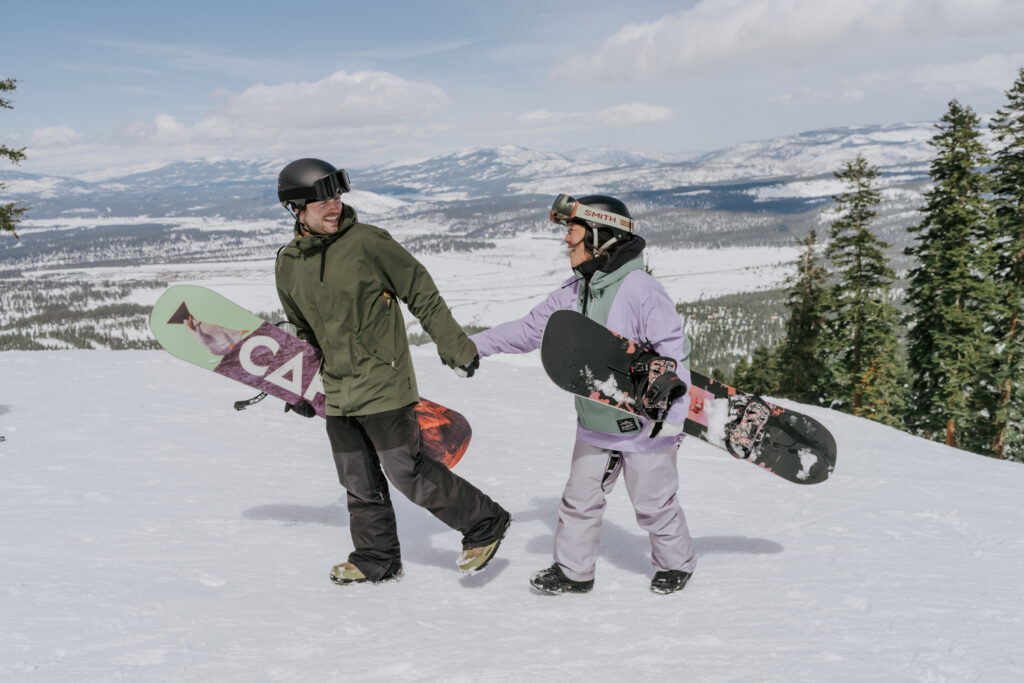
[368,447]
[652,482]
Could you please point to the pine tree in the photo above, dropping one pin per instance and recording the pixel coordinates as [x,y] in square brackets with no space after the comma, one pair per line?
[761,375]
[951,292]
[800,364]
[1008,189]
[865,372]
[10,213]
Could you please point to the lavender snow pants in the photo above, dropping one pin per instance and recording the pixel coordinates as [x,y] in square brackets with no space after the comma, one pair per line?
[651,481]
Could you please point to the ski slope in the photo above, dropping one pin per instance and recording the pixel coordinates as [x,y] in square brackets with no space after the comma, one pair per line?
[151,533]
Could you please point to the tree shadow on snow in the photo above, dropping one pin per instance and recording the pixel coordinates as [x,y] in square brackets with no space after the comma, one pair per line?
[630,548]
[4,409]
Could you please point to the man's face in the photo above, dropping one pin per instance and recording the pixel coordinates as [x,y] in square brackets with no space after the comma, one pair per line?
[321,218]
[574,239]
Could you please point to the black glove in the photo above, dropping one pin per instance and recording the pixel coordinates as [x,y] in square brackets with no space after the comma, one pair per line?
[303,408]
[467,369]
[657,385]
[660,394]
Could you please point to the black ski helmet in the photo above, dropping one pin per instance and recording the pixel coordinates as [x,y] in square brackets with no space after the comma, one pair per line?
[309,180]
[603,237]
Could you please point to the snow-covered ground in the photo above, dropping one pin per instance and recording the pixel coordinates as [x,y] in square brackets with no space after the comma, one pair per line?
[148,532]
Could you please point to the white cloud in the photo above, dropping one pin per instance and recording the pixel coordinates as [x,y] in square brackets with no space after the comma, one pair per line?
[340,102]
[341,99]
[619,115]
[715,32]
[631,114]
[994,72]
[358,112]
[412,50]
[180,56]
[54,136]
[805,95]
[991,72]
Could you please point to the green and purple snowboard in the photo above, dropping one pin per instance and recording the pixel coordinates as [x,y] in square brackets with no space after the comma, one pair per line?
[206,329]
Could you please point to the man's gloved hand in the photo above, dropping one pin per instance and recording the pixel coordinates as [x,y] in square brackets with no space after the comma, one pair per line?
[303,408]
[467,369]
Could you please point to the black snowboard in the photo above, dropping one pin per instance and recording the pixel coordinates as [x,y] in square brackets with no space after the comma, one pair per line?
[589,360]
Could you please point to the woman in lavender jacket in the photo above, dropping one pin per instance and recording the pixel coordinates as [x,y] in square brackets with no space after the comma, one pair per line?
[611,286]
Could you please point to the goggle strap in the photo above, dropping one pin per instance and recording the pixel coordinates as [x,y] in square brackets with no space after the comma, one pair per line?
[562,204]
[296,193]
[622,223]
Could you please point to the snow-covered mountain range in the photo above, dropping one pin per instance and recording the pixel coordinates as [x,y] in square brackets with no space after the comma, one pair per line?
[245,188]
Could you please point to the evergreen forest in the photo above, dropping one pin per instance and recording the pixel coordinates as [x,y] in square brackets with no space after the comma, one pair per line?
[948,363]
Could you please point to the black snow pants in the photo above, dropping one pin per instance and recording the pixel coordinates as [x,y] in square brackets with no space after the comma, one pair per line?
[368,447]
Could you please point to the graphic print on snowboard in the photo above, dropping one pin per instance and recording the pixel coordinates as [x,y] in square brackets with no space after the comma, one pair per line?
[589,360]
[206,329]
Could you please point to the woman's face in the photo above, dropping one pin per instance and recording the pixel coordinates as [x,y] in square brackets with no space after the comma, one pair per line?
[575,237]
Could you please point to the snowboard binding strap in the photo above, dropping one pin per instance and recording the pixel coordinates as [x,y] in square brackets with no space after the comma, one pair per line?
[242,405]
[655,384]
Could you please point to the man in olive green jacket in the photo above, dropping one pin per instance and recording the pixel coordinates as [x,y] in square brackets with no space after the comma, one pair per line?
[338,282]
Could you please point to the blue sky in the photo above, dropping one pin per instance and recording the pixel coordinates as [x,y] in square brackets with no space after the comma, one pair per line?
[119,84]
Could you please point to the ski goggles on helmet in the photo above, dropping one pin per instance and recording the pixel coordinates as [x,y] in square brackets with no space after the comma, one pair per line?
[328,187]
[566,208]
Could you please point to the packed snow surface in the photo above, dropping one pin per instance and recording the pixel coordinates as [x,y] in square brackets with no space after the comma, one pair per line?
[151,533]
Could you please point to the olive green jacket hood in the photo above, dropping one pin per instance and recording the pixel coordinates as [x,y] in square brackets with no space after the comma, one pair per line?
[341,291]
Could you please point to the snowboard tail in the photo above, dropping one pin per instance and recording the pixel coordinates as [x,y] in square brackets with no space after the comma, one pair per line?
[585,358]
[792,445]
[206,329]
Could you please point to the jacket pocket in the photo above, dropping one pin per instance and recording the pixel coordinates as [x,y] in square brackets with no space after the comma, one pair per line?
[377,333]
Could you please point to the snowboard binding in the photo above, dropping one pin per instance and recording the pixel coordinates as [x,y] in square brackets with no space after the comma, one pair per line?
[745,430]
[655,384]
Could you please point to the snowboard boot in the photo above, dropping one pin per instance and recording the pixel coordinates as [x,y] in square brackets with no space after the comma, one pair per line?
[475,559]
[346,573]
[553,580]
[669,582]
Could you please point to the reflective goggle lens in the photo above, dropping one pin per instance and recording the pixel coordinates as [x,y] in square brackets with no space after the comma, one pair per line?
[331,186]
[564,208]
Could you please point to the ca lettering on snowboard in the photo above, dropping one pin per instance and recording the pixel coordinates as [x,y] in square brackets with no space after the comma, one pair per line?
[288,375]
[271,357]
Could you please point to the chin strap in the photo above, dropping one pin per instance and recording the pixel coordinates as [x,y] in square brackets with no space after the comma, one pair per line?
[600,250]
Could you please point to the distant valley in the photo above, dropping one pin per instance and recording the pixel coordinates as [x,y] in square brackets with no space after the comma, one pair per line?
[94,252]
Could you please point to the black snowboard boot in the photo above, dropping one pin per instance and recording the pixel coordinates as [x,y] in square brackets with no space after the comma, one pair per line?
[554,580]
[669,582]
